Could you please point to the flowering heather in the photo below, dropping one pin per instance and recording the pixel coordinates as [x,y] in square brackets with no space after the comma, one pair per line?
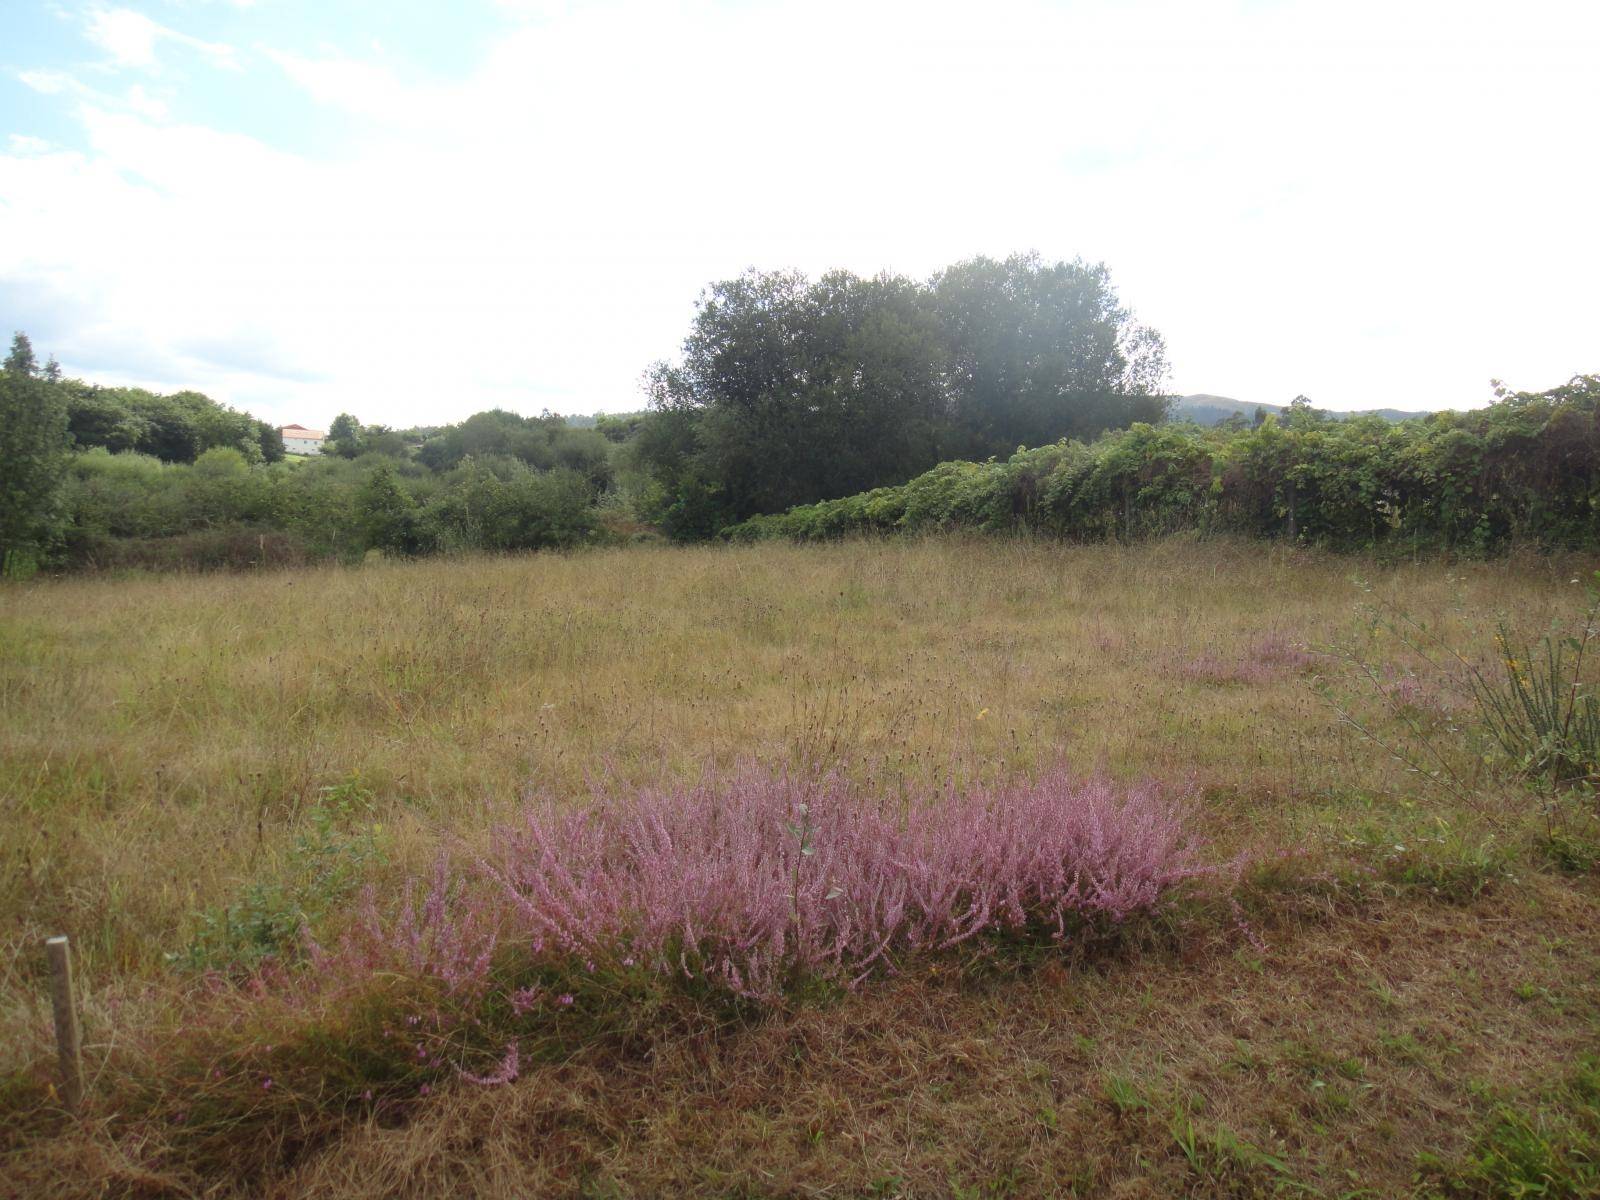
[1212,668]
[449,935]
[1279,650]
[1426,695]
[506,1071]
[755,879]
[1270,657]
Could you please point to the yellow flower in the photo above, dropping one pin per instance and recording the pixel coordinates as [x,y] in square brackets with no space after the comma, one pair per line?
[983,713]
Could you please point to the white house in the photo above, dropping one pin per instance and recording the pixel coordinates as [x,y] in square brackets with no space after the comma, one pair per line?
[297,439]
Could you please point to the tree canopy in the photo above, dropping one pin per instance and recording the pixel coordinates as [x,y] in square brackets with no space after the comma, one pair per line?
[34,445]
[791,390]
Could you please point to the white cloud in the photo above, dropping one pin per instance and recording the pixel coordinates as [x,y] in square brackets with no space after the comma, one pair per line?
[146,105]
[363,88]
[137,99]
[1370,204]
[50,83]
[131,38]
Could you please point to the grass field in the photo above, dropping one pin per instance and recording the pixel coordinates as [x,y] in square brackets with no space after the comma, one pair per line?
[1400,996]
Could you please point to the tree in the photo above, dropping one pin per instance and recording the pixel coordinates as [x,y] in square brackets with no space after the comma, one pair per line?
[270,438]
[796,390]
[386,514]
[170,431]
[1039,352]
[101,417]
[34,445]
[544,443]
[618,428]
[380,439]
[21,360]
[791,391]
[344,436]
[1301,413]
[218,425]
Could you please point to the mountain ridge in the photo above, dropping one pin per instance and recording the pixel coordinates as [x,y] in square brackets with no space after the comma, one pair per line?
[1203,408]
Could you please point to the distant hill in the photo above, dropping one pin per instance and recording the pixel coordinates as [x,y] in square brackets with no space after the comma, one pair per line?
[590,420]
[1205,409]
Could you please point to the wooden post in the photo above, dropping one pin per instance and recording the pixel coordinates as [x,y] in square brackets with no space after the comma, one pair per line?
[68,1046]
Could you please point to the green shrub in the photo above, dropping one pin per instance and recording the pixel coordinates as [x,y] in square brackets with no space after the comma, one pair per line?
[322,870]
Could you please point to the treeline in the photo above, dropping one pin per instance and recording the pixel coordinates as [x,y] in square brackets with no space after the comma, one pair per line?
[133,510]
[178,428]
[123,477]
[788,391]
[842,404]
[1527,467]
[495,482]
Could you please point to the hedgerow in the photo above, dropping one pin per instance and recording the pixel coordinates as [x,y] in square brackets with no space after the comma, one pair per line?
[1527,467]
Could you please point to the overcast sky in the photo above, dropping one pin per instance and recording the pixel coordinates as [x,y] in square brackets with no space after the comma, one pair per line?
[414,210]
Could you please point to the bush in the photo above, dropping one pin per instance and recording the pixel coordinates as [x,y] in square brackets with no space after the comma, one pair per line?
[754,883]
[499,504]
[1535,704]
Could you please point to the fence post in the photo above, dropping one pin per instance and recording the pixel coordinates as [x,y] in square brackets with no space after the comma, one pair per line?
[68,1045]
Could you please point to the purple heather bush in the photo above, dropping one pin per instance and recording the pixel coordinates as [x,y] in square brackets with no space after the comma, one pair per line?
[1270,657]
[448,934]
[753,881]
[1426,695]
[756,879]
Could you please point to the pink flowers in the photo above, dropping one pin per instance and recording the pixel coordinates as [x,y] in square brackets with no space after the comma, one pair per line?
[524,1000]
[750,879]
[449,936]
[504,1073]
[1271,657]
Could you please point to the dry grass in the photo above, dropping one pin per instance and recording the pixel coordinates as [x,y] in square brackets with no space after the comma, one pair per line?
[161,741]
[1338,1054]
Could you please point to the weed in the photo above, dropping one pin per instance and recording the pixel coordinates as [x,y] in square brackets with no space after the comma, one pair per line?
[323,867]
[1540,709]
[1123,1094]
[1570,850]
[1551,1149]
[1220,1156]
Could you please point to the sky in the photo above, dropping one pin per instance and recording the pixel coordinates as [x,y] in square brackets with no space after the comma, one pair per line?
[412,210]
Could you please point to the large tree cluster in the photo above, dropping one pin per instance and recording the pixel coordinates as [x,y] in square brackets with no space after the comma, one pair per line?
[791,390]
